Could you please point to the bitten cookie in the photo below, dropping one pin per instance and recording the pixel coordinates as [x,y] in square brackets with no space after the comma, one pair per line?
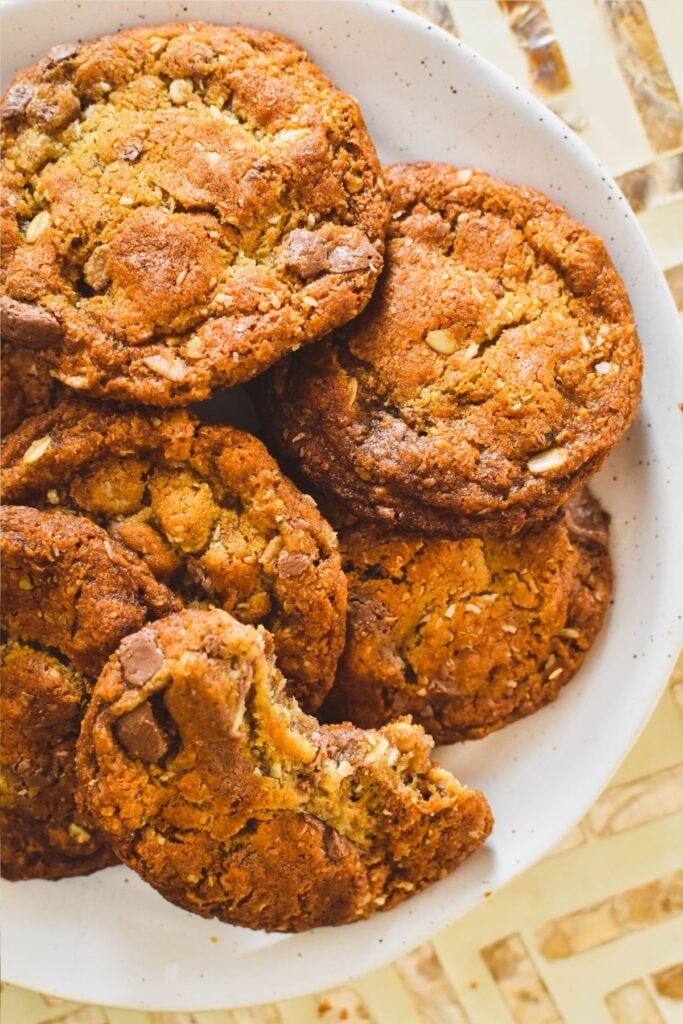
[469,635]
[184,204]
[213,785]
[69,596]
[494,369]
[210,512]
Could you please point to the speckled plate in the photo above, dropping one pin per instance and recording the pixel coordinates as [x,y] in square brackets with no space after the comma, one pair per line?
[110,938]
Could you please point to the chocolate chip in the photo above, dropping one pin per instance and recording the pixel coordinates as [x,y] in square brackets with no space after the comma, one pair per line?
[141,736]
[16,101]
[586,521]
[62,52]
[140,657]
[304,252]
[28,325]
[289,565]
[346,260]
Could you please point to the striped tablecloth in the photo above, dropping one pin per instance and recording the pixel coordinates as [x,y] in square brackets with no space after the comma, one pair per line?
[592,934]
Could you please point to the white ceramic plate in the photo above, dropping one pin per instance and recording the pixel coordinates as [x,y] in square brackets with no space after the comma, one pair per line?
[110,938]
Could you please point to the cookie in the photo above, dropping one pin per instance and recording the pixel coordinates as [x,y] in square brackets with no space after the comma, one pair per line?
[469,635]
[70,594]
[26,385]
[494,369]
[210,512]
[220,792]
[184,204]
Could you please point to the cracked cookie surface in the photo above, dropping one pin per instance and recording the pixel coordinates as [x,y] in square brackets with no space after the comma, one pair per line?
[183,204]
[221,793]
[70,594]
[210,512]
[469,635]
[495,367]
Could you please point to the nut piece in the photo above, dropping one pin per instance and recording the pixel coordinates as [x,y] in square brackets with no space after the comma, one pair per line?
[95,269]
[180,90]
[441,341]
[547,461]
[37,449]
[37,226]
[172,369]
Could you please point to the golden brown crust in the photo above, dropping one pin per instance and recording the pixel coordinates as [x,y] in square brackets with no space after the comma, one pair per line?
[183,204]
[69,596]
[210,512]
[469,635]
[42,833]
[26,385]
[494,369]
[221,793]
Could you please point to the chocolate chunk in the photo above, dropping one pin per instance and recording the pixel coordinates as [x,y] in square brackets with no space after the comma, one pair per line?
[62,52]
[31,775]
[289,565]
[140,657]
[336,845]
[129,151]
[345,259]
[63,108]
[368,614]
[28,325]
[141,736]
[305,252]
[16,101]
[586,521]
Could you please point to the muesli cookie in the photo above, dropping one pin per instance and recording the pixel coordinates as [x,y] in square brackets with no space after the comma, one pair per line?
[469,635]
[70,594]
[494,369]
[210,512]
[215,787]
[184,204]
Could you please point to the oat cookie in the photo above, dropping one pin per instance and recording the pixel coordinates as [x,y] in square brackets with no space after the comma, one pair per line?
[469,635]
[70,594]
[494,369]
[210,512]
[183,204]
[215,787]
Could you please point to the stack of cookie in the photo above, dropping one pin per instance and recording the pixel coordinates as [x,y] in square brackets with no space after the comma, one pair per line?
[201,678]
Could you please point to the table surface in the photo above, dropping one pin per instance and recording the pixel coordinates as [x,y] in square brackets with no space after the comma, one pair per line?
[592,933]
